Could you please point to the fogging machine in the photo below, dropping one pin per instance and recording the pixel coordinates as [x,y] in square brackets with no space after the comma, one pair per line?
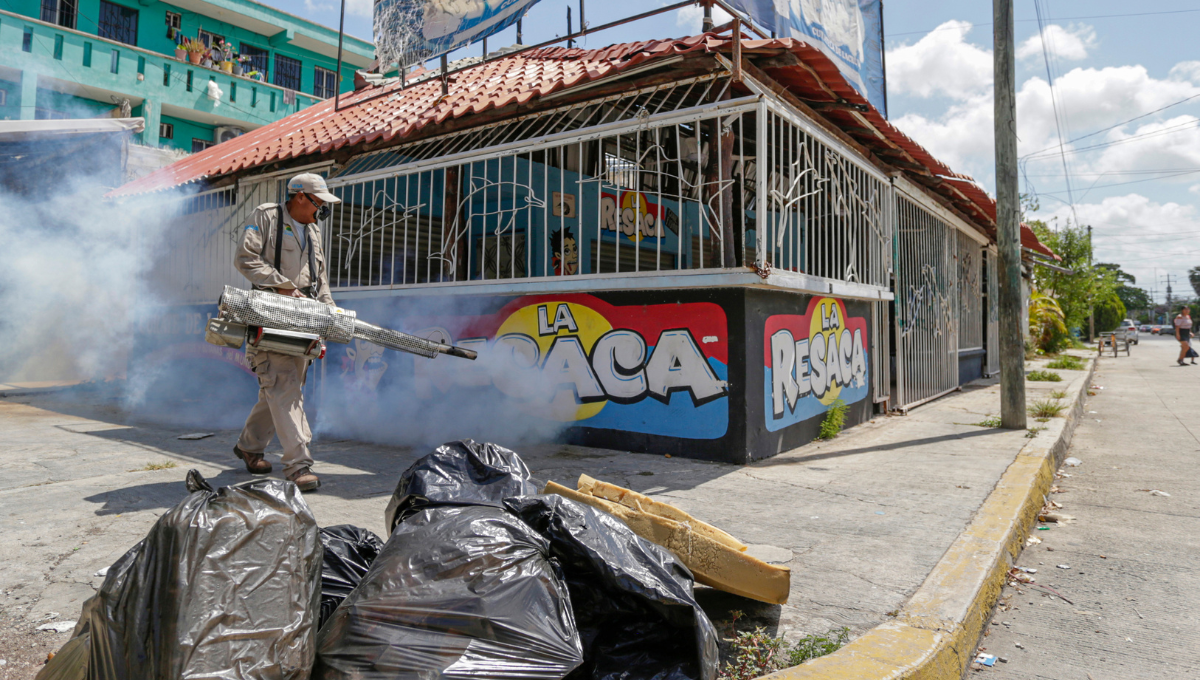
[298,326]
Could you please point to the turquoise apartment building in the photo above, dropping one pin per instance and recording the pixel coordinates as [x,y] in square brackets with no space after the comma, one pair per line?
[87,58]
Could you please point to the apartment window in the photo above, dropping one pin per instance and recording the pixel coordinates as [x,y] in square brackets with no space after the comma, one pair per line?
[287,72]
[199,145]
[166,131]
[174,20]
[118,23]
[61,12]
[27,39]
[259,59]
[324,82]
[210,39]
[3,97]
[166,75]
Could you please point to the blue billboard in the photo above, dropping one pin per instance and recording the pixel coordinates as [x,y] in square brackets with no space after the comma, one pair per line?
[849,32]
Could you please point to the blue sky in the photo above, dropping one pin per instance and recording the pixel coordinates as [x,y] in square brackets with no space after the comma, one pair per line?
[1142,196]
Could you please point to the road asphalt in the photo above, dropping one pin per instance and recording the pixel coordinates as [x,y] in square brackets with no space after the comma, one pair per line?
[1126,567]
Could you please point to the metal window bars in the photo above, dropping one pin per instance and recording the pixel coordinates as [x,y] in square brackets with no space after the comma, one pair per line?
[970,293]
[991,262]
[926,304]
[660,179]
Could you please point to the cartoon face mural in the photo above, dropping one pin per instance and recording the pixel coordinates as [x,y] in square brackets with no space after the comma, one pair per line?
[812,360]
[566,252]
[363,366]
[654,369]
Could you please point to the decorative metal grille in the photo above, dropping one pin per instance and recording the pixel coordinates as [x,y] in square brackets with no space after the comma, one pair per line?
[970,293]
[117,23]
[825,214]
[993,313]
[287,72]
[926,304]
[660,179]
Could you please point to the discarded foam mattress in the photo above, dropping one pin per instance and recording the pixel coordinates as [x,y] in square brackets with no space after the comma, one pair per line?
[714,563]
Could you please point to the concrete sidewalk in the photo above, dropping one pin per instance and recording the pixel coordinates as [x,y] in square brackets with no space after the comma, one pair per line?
[862,521]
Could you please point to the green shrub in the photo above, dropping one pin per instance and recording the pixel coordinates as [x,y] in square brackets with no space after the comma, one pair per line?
[755,653]
[1058,394]
[1046,408]
[1067,362]
[1043,376]
[835,420]
[990,421]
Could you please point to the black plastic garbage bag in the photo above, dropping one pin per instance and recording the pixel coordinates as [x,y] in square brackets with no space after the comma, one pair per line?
[349,552]
[226,585]
[457,592]
[459,473]
[633,602]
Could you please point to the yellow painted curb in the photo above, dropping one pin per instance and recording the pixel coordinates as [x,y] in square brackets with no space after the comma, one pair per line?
[935,634]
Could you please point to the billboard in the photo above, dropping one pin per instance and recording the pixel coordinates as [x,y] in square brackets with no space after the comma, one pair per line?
[849,32]
[410,31]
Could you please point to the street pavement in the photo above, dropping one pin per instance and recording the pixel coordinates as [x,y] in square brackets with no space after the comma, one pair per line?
[1128,561]
[861,520]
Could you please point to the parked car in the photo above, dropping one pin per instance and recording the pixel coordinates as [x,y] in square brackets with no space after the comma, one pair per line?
[1144,328]
[1129,330]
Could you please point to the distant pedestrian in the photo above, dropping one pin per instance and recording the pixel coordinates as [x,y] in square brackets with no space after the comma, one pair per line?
[1183,333]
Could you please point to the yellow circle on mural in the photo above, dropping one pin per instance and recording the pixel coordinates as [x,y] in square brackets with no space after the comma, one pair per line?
[543,323]
[826,309]
[637,202]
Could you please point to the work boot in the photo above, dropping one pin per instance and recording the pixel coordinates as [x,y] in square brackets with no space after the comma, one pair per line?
[305,479]
[254,461]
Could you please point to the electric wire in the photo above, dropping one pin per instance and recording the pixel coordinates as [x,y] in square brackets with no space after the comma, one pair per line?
[1059,122]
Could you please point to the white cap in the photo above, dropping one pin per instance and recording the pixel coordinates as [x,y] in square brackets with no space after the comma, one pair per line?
[312,184]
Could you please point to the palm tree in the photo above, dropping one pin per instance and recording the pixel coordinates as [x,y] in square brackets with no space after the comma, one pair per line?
[1045,319]
[1194,279]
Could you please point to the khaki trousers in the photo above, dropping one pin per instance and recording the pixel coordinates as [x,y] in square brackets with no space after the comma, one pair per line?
[280,410]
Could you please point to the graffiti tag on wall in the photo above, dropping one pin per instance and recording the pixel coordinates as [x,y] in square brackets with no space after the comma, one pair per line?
[811,360]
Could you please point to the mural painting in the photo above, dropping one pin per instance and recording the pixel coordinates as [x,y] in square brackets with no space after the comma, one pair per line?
[811,360]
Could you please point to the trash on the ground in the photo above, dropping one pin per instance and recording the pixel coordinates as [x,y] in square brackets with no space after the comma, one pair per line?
[633,600]
[636,501]
[1032,540]
[1056,517]
[102,572]
[459,473]
[225,584]
[195,435]
[714,562]
[481,578]
[986,660]
[348,554]
[1072,462]
[1018,575]
[1019,645]
[456,592]
[1156,492]
[1027,570]
[1043,528]
[58,626]
[1056,489]
[1002,659]
[1064,566]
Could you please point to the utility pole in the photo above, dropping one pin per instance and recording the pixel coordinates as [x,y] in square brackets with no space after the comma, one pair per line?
[1008,221]
[1092,308]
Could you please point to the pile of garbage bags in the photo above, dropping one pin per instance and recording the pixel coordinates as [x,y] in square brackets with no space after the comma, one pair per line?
[480,577]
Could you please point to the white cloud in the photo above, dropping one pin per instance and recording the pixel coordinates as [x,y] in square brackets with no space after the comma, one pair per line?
[1195,189]
[1140,235]
[942,62]
[1172,143]
[360,8]
[311,6]
[692,18]
[1071,43]
[1186,70]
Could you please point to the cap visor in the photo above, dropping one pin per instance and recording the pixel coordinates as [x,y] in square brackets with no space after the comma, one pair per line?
[327,197]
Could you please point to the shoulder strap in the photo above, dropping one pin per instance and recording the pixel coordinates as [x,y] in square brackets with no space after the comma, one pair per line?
[314,277]
[278,236]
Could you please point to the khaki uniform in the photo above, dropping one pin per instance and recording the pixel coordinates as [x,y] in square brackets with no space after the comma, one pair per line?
[281,377]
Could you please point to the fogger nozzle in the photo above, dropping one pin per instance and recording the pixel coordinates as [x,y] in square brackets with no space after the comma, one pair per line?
[303,315]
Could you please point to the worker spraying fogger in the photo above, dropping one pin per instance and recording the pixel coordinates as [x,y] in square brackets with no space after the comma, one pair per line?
[285,320]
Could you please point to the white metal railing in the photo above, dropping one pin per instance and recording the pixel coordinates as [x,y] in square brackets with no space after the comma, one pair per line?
[659,180]
[993,312]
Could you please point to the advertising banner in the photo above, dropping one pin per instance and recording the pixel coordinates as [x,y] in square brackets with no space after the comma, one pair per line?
[813,360]
[408,32]
[849,32]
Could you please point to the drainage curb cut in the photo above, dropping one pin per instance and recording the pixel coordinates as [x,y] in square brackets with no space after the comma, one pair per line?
[935,634]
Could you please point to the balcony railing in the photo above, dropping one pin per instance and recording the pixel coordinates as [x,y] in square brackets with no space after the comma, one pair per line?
[91,61]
